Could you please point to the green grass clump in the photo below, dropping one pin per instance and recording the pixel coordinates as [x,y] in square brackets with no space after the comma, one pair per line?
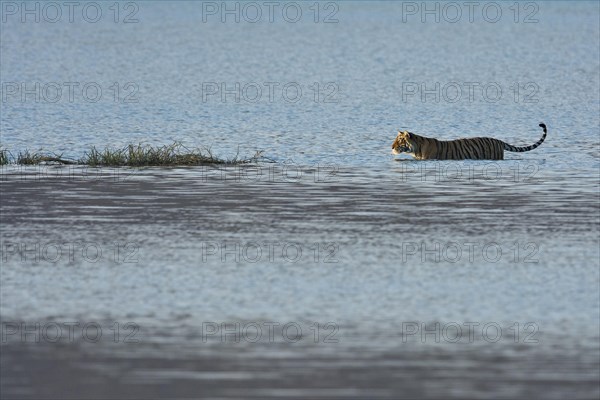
[108,157]
[4,159]
[27,158]
[130,156]
[145,155]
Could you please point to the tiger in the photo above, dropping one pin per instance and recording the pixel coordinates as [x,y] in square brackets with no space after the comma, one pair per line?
[479,148]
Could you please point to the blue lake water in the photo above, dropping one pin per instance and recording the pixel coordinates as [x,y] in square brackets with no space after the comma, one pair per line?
[373,243]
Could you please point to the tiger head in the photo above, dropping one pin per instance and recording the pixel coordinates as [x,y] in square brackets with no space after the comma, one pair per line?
[404,143]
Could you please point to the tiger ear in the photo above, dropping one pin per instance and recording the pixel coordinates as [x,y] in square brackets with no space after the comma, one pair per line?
[408,134]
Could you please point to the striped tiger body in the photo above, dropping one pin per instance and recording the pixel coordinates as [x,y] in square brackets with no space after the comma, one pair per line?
[480,148]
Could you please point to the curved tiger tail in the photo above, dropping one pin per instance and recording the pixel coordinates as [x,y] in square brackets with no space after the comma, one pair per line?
[509,147]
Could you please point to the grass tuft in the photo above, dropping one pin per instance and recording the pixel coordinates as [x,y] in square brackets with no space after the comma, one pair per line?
[144,155]
[4,158]
[139,155]
[27,158]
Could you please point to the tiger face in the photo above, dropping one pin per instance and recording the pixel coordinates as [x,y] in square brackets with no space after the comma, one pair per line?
[403,143]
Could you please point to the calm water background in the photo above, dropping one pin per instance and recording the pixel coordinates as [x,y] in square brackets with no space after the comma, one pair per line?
[334,183]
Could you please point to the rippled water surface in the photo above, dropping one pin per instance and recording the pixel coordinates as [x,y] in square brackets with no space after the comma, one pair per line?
[334,230]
